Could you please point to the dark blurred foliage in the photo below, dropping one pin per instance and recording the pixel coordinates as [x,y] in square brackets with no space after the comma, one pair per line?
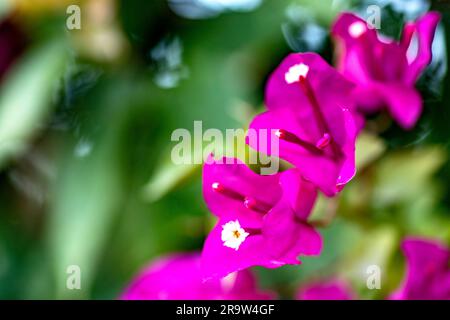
[12,43]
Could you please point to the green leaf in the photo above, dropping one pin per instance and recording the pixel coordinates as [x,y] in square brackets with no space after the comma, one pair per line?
[88,195]
[167,177]
[325,10]
[406,175]
[26,97]
[5,8]
[86,198]
[373,248]
[369,147]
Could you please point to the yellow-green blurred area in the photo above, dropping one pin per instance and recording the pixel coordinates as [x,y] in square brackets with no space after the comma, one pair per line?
[86,117]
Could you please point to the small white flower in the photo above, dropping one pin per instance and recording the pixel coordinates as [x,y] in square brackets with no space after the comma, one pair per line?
[295,72]
[233,235]
[356,29]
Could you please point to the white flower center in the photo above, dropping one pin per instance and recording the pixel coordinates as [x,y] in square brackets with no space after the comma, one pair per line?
[356,29]
[295,72]
[233,235]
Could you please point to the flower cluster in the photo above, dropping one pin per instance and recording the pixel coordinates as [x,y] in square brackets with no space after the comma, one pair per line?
[427,278]
[314,114]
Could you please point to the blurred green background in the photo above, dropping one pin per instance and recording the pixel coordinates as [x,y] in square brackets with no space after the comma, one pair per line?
[86,118]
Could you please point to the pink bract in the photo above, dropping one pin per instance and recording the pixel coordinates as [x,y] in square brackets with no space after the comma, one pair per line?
[428,271]
[269,214]
[312,116]
[178,277]
[385,70]
[327,290]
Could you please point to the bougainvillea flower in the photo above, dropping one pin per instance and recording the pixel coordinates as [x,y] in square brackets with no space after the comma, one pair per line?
[262,219]
[428,271]
[330,290]
[178,277]
[312,116]
[385,70]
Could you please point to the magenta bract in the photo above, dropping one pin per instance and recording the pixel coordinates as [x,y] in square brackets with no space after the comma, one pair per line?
[428,271]
[329,290]
[262,219]
[178,277]
[312,114]
[385,70]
